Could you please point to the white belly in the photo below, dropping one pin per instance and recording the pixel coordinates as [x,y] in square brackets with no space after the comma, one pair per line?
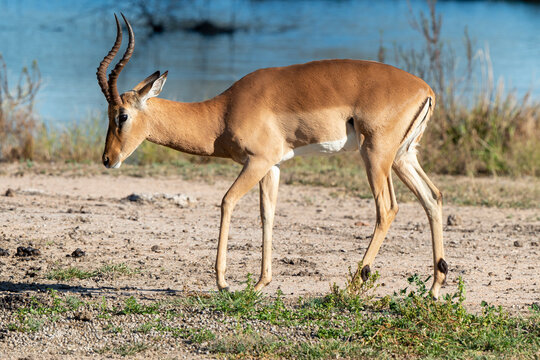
[348,143]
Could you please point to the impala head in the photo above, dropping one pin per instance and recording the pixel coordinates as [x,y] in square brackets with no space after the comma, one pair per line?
[127,113]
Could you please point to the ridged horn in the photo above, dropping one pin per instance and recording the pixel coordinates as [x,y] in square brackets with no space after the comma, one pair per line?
[113,76]
[104,64]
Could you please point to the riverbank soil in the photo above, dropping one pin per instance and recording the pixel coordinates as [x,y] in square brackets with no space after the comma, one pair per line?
[162,244]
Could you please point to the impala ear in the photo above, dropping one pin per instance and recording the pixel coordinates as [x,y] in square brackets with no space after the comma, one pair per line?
[153,88]
[151,78]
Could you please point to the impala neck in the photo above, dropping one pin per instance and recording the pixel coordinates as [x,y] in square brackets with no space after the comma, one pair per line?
[188,127]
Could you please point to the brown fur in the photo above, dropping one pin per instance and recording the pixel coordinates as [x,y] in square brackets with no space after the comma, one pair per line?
[271,111]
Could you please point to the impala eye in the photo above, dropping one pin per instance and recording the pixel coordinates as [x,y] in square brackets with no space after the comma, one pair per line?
[122,118]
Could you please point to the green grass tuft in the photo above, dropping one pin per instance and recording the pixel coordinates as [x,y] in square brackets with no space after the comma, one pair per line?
[351,323]
[76,273]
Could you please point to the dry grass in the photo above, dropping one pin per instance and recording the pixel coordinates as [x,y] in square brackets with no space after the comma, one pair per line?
[18,121]
[497,134]
[478,128]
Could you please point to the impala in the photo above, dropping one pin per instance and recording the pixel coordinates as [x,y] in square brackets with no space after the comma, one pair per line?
[271,115]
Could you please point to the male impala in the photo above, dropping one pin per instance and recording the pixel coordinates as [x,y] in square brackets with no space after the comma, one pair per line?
[272,115]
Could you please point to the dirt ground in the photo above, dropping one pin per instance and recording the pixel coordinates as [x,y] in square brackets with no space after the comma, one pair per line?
[318,235]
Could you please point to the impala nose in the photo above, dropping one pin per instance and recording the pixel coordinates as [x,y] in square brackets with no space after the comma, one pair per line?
[106,161]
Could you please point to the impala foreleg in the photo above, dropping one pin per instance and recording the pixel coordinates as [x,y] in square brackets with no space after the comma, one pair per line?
[253,171]
[268,193]
[409,171]
[380,181]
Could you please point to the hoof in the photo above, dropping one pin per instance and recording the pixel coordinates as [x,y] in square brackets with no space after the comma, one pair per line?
[222,285]
[365,273]
[434,292]
[261,284]
[225,289]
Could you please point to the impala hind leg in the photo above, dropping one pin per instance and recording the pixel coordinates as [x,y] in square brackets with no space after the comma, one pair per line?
[410,172]
[268,193]
[252,172]
[380,180]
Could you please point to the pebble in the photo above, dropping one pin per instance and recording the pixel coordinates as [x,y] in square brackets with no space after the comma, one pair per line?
[27,251]
[134,198]
[518,243]
[4,252]
[181,200]
[77,253]
[10,193]
[83,315]
[454,220]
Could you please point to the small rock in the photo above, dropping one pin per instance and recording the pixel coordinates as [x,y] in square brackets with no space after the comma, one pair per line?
[361,223]
[534,243]
[81,210]
[288,261]
[77,253]
[518,243]
[31,273]
[134,198]
[27,251]
[83,315]
[10,193]
[4,252]
[454,220]
[180,200]
[155,248]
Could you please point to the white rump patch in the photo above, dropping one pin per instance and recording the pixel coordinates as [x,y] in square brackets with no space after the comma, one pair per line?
[410,143]
[348,143]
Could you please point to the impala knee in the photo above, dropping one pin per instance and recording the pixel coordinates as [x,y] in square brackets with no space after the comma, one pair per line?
[433,208]
[227,204]
[385,220]
[393,212]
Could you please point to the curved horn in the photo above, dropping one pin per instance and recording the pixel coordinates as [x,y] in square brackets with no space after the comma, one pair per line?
[104,64]
[113,76]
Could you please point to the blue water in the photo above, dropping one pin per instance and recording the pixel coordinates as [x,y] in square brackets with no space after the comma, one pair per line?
[69,39]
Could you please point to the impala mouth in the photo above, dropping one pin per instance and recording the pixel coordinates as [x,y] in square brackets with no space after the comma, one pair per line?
[117,165]
[108,165]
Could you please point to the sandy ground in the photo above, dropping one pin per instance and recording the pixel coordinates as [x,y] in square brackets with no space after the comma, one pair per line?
[318,235]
